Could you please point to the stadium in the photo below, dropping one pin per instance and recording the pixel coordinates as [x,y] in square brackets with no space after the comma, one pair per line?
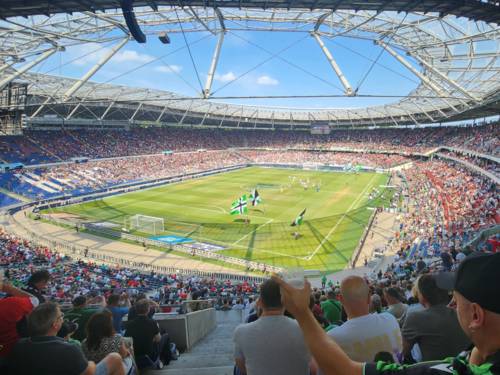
[175,167]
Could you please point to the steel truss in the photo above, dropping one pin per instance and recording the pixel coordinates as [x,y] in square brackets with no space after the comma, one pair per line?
[455,60]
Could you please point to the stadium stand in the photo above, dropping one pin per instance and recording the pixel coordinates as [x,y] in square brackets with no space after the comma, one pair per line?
[426,301]
[42,146]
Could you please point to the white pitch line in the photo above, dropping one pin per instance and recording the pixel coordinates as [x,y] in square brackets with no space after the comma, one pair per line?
[255,230]
[309,257]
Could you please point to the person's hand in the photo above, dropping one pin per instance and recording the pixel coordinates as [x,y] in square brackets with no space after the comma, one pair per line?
[296,301]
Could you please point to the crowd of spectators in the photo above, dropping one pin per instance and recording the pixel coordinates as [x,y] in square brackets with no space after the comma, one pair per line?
[450,325]
[96,297]
[448,202]
[95,175]
[42,146]
[330,158]
[483,163]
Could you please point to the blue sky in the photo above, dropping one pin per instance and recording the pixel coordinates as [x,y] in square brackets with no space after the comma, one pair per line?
[239,55]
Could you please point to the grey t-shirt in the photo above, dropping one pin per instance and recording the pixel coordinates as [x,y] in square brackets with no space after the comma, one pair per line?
[437,332]
[272,345]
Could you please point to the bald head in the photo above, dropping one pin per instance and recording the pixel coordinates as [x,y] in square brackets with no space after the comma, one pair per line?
[355,296]
[354,288]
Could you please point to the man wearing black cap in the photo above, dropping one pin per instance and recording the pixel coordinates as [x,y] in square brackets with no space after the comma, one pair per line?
[476,293]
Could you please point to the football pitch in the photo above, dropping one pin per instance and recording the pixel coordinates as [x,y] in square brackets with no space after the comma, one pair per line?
[336,213]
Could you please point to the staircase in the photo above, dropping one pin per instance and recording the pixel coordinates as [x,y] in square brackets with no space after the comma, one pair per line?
[213,355]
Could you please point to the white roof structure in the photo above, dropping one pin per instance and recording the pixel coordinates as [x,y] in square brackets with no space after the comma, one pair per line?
[458,72]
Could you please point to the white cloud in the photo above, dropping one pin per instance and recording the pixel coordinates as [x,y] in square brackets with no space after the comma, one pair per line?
[267,81]
[229,76]
[129,55]
[168,68]
[93,52]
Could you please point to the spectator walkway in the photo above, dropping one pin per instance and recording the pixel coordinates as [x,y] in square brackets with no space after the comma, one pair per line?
[211,356]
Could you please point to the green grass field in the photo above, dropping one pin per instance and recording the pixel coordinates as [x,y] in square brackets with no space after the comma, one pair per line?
[199,209]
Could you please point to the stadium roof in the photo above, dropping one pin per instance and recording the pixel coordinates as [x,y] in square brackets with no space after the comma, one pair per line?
[477,10]
[458,60]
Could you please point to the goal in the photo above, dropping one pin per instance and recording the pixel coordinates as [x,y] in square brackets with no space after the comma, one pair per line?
[146,224]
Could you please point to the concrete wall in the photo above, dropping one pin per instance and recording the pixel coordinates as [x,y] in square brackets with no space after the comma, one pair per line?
[199,324]
[186,330]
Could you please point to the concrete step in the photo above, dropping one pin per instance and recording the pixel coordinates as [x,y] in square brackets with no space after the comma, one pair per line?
[213,355]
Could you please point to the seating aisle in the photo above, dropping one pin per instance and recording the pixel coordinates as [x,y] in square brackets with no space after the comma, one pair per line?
[211,356]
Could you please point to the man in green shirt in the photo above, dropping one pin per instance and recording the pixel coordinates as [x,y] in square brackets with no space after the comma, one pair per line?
[323,282]
[80,314]
[332,309]
[477,298]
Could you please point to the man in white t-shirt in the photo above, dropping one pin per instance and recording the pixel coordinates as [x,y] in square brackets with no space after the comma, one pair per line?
[364,334]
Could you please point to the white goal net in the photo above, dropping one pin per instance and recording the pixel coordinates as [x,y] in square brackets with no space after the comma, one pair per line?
[146,224]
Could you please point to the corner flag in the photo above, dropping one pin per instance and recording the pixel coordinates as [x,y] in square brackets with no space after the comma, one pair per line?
[298,219]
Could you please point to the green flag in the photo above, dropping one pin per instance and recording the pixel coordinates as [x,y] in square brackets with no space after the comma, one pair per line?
[298,219]
[239,207]
[255,198]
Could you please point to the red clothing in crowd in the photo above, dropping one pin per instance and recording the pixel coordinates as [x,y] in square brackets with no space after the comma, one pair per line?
[495,244]
[12,310]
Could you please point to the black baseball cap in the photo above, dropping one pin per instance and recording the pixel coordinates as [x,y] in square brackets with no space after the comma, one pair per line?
[477,279]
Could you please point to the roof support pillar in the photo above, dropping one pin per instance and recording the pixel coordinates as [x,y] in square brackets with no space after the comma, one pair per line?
[28,66]
[205,115]
[408,66]
[78,84]
[185,113]
[335,66]
[136,112]
[161,114]
[424,112]
[39,109]
[73,111]
[8,65]
[445,78]
[213,65]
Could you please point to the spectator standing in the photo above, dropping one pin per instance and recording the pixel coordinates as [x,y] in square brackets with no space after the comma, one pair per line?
[435,329]
[13,309]
[273,344]
[118,311]
[477,298]
[37,282]
[332,308]
[364,334]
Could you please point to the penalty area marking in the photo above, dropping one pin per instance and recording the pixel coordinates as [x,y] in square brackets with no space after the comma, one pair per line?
[356,201]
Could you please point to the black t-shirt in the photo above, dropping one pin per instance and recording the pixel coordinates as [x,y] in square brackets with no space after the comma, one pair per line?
[35,292]
[142,329]
[46,355]
[132,314]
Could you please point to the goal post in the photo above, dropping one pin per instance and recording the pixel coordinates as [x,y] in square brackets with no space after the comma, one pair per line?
[146,224]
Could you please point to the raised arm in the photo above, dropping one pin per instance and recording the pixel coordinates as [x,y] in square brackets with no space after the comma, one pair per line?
[330,357]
